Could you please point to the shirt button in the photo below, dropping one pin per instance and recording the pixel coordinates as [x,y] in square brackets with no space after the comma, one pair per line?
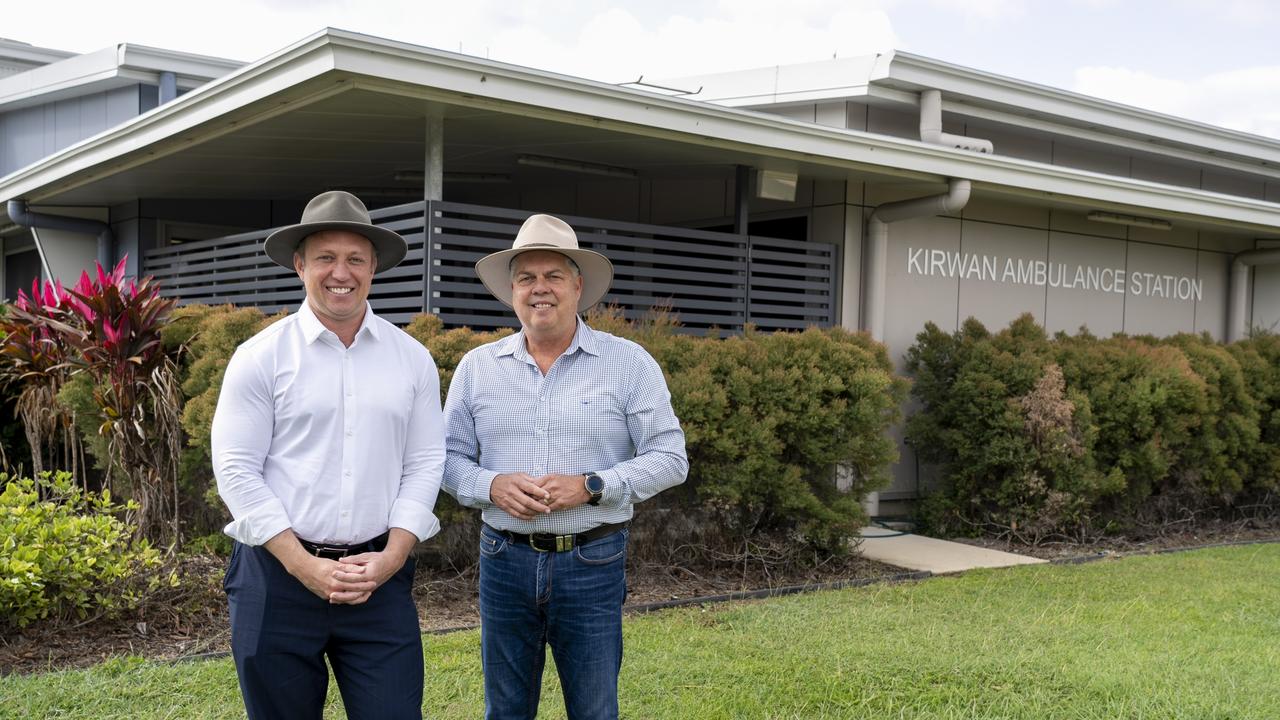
[542,398]
[347,473]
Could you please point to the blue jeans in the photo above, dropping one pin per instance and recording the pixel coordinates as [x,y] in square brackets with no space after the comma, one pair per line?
[569,600]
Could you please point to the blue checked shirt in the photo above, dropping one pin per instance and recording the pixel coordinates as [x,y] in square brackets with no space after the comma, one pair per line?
[603,407]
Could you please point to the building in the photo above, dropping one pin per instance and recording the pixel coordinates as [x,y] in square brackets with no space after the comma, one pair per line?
[877,193]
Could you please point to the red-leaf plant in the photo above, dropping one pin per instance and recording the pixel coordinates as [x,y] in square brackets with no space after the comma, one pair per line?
[33,362]
[110,328]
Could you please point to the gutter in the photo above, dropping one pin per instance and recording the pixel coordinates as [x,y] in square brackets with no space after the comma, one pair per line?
[1240,286]
[22,215]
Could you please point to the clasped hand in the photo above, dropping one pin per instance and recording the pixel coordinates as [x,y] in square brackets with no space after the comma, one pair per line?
[525,497]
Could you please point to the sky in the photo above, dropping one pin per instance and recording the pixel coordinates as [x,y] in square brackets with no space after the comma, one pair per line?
[1215,61]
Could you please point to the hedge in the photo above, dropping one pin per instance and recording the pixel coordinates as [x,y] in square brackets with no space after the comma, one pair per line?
[1072,435]
[767,417]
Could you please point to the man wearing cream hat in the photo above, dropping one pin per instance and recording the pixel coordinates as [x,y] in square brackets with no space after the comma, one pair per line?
[554,433]
[328,446]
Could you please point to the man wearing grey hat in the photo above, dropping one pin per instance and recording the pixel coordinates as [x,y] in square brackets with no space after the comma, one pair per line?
[554,433]
[328,447]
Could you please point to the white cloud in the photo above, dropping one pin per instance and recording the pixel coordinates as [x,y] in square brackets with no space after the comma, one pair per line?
[1243,99]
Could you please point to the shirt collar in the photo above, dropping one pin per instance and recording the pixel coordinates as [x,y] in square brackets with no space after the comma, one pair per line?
[312,328]
[584,338]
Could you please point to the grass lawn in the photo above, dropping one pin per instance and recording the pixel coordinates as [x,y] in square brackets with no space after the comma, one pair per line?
[1187,635]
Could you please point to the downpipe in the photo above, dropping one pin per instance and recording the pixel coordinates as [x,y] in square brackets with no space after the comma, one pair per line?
[1241,266]
[21,214]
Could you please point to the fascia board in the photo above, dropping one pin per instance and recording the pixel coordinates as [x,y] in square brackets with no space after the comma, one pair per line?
[195,68]
[980,87]
[202,114]
[25,53]
[71,72]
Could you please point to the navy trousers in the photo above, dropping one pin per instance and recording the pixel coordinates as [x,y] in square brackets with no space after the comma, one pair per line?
[281,634]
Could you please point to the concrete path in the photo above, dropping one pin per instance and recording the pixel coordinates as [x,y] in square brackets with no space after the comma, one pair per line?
[917,552]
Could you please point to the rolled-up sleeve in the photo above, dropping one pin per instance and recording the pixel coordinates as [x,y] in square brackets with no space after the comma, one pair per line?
[424,454]
[240,438]
[464,478]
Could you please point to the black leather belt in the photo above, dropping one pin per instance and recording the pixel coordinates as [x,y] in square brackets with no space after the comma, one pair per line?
[546,542]
[330,551]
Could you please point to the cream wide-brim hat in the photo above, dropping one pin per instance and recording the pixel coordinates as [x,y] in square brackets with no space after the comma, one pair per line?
[544,232]
[336,210]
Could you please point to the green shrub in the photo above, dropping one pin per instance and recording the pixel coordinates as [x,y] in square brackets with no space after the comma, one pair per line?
[767,417]
[1015,443]
[68,554]
[1070,435]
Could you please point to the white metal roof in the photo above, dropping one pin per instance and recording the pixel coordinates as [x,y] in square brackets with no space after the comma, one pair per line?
[61,75]
[332,64]
[898,77]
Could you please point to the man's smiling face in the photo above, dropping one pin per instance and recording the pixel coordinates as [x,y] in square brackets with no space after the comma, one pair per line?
[336,267]
[545,290]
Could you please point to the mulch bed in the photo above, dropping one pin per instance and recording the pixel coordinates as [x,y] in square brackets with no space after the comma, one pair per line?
[192,621]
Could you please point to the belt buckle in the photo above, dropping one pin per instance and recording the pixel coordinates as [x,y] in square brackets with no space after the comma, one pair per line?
[555,543]
[329,552]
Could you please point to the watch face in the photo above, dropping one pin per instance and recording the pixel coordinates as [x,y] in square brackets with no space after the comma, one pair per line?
[595,484]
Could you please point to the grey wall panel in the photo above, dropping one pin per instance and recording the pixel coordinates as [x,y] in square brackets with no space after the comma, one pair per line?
[549,199]
[148,98]
[1089,157]
[911,300]
[1214,270]
[856,116]
[988,210]
[804,113]
[1272,191]
[1098,306]
[1230,183]
[128,243]
[1008,141]
[676,201]
[881,193]
[66,122]
[831,114]
[122,105]
[93,115]
[1266,294]
[1160,295]
[851,272]
[23,137]
[1176,236]
[893,122]
[997,299]
[1169,172]
[828,192]
[1078,223]
[610,199]
[1226,243]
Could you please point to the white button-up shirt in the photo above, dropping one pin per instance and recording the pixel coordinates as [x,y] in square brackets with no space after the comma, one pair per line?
[339,443]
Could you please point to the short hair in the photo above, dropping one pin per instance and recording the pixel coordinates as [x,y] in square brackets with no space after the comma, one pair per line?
[573,266]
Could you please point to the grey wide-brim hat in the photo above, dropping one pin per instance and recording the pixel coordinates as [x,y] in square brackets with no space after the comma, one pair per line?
[544,232]
[336,210]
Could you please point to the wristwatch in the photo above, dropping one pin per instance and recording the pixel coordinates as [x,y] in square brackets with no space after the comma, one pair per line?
[595,488]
